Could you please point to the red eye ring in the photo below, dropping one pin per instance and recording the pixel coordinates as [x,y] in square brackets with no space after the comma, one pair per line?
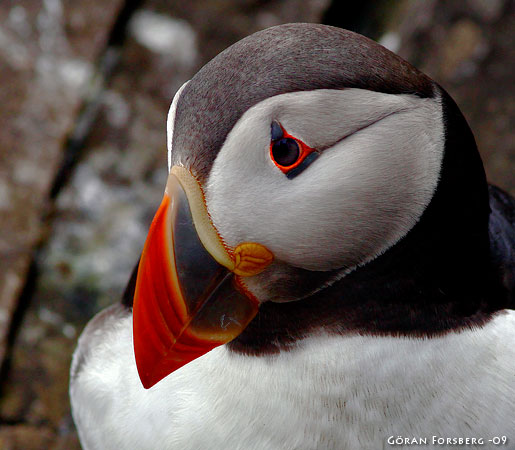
[304,151]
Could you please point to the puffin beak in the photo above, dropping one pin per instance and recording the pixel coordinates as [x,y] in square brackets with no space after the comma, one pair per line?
[190,295]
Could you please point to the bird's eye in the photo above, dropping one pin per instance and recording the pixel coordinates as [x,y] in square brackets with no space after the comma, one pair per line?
[288,153]
[285,152]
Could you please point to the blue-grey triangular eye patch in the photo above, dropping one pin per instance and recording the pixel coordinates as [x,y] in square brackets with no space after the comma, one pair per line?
[300,168]
[277,131]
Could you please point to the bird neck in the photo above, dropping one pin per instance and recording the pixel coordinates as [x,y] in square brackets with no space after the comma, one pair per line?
[439,278]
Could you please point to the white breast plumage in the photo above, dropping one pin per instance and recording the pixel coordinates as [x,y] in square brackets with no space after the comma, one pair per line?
[330,392]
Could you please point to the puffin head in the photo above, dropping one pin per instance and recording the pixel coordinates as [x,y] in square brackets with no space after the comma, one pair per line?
[298,157]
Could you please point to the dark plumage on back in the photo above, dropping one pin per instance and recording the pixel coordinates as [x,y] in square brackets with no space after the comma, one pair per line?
[502,237]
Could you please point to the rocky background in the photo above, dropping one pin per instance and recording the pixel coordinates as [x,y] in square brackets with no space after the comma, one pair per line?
[85,86]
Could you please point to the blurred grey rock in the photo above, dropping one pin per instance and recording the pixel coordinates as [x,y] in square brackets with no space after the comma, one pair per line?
[47,51]
[463,46]
[172,38]
[220,23]
[487,10]
[24,437]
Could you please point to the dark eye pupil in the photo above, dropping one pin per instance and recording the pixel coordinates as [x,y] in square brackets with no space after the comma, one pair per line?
[285,151]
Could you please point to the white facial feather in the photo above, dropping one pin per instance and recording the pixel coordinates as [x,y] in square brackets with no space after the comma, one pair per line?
[329,392]
[377,172]
[170,121]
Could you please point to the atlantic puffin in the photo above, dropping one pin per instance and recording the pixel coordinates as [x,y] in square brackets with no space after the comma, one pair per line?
[328,268]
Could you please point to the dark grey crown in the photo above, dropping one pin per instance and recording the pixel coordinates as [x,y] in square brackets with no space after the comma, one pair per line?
[286,58]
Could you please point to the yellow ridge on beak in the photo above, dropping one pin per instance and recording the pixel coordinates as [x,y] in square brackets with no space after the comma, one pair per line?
[247,259]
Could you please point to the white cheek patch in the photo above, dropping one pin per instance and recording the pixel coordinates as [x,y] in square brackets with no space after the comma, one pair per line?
[376,174]
[170,121]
